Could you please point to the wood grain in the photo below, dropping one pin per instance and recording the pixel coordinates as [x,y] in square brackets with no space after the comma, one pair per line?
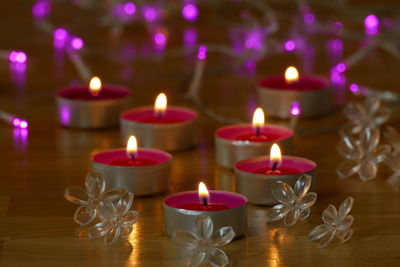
[36,225]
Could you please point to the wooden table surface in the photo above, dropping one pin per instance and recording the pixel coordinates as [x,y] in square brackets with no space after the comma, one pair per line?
[36,222]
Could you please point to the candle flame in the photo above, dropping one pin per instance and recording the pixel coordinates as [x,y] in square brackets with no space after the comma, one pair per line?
[275,155]
[95,85]
[291,75]
[203,193]
[132,147]
[258,118]
[160,105]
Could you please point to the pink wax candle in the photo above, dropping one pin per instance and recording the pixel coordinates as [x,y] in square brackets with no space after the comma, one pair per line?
[165,127]
[277,93]
[225,208]
[141,171]
[256,176]
[237,142]
[93,106]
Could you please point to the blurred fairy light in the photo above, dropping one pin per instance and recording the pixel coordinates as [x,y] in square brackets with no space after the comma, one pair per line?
[309,18]
[202,52]
[41,9]
[150,13]
[17,57]
[290,45]
[295,109]
[371,24]
[190,12]
[77,43]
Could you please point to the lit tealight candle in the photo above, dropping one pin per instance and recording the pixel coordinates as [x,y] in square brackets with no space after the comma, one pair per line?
[95,86]
[141,171]
[237,142]
[277,93]
[225,208]
[160,105]
[92,106]
[291,75]
[256,176]
[165,127]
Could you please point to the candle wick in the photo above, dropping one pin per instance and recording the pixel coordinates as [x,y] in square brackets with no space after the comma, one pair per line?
[159,115]
[258,130]
[205,201]
[275,166]
[132,156]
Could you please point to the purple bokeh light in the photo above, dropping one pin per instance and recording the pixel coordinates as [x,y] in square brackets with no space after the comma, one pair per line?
[338,78]
[202,52]
[190,37]
[190,12]
[335,45]
[41,8]
[341,67]
[17,57]
[295,108]
[17,122]
[77,43]
[371,24]
[338,25]
[309,18]
[150,14]
[160,40]
[254,40]
[290,45]
[354,88]
[24,124]
[129,8]
[60,34]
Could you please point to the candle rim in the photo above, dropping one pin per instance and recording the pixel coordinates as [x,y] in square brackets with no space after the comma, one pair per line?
[239,197]
[125,92]
[322,82]
[166,154]
[266,159]
[193,115]
[289,132]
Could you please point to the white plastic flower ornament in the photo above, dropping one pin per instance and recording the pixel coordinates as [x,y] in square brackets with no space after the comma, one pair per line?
[115,220]
[294,204]
[370,114]
[336,223]
[362,155]
[90,198]
[203,245]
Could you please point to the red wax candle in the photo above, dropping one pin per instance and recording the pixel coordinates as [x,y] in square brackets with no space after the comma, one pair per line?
[82,93]
[80,107]
[246,132]
[119,157]
[224,208]
[147,174]
[201,207]
[304,83]
[147,115]
[175,129]
[277,93]
[219,200]
[255,177]
[288,166]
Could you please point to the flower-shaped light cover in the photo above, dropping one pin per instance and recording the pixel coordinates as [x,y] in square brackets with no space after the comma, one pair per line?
[203,245]
[116,220]
[90,198]
[336,223]
[392,159]
[294,204]
[370,114]
[362,154]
